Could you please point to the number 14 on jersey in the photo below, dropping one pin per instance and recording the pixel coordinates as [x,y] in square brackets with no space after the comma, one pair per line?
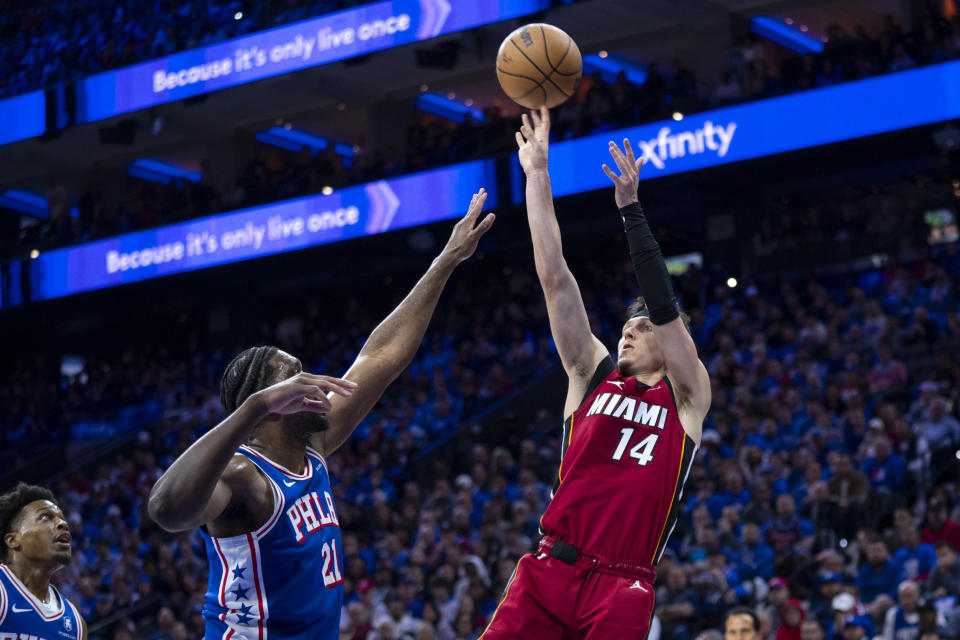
[642,451]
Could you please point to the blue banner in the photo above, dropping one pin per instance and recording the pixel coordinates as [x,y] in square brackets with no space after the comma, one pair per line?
[23,117]
[357,211]
[285,49]
[766,127]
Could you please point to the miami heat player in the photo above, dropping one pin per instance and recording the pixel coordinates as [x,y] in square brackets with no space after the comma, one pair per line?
[631,432]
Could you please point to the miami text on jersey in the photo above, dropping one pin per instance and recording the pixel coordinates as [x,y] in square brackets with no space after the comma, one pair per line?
[629,409]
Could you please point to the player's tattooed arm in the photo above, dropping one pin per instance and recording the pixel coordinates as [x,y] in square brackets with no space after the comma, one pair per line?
[393,344]
[580,351]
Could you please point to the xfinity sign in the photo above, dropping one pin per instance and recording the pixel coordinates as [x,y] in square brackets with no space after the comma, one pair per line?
[668,145]
[762,128]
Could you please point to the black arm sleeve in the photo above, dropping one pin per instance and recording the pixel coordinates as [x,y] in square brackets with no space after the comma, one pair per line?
[648,264]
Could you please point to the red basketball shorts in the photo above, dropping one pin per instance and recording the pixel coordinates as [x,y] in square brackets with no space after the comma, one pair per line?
[548,599]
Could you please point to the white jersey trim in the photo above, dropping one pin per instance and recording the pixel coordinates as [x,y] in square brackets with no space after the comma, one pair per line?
[36,604]
[3,603]
[306,475]
[317,454]
[76,614]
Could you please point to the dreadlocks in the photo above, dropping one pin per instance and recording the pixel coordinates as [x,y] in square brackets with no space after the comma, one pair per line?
[246,374]
[13,502]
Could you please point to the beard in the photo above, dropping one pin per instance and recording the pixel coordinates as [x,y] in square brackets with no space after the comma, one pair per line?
[304,424]
[64,558]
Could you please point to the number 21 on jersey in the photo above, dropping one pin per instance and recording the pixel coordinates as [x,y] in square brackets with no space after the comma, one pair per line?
[642,451]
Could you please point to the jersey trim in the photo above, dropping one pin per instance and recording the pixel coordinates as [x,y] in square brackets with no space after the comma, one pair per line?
[278,505]
[279,467]
[687,453]
[3,603]
[604,368]
[318,455]
[30,597]
[76,614]
[258,583]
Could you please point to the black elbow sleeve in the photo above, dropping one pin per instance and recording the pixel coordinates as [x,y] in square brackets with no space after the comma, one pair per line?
[652,276]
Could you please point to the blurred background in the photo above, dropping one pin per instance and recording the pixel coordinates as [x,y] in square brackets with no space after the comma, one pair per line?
[147,146]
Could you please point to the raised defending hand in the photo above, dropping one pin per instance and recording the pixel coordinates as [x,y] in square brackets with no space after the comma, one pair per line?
[628,181]
[534,141]
[304,392]
[467,233]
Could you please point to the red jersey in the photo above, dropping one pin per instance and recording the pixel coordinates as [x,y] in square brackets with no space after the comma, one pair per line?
[626,459]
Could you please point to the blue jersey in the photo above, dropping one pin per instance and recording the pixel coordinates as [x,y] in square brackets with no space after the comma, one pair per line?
[23,617]
[285,580]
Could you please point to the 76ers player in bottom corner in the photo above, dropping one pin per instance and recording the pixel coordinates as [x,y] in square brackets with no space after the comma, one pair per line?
[628,443]
[34,544]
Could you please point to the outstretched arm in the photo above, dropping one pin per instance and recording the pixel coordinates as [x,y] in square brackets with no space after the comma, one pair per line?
[393,344]
[580,351]
[687,374]
[200,484]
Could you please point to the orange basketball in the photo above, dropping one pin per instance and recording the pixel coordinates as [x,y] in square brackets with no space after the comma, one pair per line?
[539,64]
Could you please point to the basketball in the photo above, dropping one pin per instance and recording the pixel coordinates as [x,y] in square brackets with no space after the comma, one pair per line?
[539,64]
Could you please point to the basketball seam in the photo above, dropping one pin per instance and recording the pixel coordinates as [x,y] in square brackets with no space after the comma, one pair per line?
[539,85]
[546,76]
[546,52]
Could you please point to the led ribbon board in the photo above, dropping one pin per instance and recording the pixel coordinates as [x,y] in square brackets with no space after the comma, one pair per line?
[766,127]
[352,212]
[272,52]
[23,117]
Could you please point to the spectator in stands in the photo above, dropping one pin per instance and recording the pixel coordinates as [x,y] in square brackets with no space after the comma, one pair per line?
[878,579]
[904,616]
[939,526]
[916,558]
[676,605]
[945,578]
[888,375]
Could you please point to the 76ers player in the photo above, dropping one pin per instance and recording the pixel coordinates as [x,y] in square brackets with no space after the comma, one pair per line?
[258,483]
[629,439]
[35,545]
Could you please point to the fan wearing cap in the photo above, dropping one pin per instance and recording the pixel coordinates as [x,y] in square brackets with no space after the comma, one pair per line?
[842,606]
[36,543]
[857,627]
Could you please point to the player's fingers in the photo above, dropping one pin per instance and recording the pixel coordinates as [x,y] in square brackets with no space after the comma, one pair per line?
[639,164]
[610,174]
[477,207]
[485,224]
[629,149]
[618,157]
[528,133]
[520,140]
[315,406]
[338,386]
[536,119]
[545,116]
[525,120]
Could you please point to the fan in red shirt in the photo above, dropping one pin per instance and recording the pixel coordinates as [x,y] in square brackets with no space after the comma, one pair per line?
[939,525]
[632,430]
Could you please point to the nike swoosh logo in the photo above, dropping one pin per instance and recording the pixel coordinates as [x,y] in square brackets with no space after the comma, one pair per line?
[617,383]
[289,484]
[15,610]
